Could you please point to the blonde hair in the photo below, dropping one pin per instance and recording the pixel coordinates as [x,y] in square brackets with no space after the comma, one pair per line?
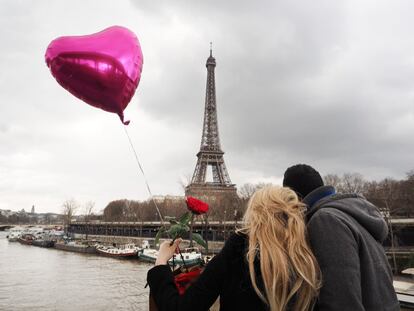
[274,223]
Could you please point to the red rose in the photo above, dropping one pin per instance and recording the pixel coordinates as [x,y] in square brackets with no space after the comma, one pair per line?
[184,280]
[196,206]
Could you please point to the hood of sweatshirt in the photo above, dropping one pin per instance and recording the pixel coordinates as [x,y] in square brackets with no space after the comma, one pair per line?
[364,212]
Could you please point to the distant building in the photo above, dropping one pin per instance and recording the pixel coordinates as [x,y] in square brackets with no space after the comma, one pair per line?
[31,218]
[33,209]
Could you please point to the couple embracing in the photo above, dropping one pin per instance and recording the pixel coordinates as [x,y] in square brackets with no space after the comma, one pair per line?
[302,247]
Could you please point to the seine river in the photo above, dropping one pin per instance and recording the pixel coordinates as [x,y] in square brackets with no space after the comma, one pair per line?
[34,278]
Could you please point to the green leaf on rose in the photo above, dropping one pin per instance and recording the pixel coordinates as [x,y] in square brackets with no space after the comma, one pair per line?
[173,221]
[177,230]
[199,240]
[185,218]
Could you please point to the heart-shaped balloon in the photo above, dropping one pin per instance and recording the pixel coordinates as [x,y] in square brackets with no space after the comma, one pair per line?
[102,69]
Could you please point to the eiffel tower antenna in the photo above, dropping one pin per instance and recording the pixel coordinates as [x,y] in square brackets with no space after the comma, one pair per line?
[210,154]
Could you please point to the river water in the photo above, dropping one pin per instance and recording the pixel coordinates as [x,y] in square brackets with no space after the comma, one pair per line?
[34,278]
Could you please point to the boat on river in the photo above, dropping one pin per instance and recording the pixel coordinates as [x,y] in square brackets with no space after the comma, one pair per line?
[13,237]
[43,243]
[26,238]
[148,255]
[189,256]
[14,233]
[75,246]
[122,251]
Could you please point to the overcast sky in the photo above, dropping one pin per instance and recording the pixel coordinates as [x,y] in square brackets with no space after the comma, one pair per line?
[329,83]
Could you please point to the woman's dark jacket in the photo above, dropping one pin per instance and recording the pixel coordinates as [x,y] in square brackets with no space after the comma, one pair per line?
[226,275]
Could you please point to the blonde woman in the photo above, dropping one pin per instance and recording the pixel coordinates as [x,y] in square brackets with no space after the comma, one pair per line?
[266,265]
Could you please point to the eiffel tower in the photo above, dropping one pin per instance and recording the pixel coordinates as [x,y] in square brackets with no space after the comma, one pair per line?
[210,154]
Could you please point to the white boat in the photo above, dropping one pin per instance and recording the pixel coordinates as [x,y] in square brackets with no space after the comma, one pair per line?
[56,234]
[35,231]
[14,234]
[123,251]
[148,255]
[190,256]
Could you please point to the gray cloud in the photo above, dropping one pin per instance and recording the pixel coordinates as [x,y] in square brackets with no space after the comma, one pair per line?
[305,83]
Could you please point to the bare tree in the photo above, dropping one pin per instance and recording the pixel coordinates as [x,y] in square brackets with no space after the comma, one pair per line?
[352,183]
[88,209]
[115,211]
[88,212]
[128,210]
[248,189]
[184,181]
[348,183]
[332,180]
[69,209]
[387,194]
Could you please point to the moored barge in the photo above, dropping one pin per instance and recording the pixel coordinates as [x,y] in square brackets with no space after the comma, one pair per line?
[73,246]
[26,238]
[124,251]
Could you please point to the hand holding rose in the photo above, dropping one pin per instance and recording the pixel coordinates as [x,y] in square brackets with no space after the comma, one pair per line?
[167,250]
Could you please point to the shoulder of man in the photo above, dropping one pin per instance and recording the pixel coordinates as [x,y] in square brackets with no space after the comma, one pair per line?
[329,221]
[327,213]
[354,211]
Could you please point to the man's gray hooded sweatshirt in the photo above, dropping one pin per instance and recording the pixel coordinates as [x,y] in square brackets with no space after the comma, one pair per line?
[346,234]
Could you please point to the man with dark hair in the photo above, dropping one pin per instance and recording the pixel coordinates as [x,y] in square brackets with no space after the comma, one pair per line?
[346,234]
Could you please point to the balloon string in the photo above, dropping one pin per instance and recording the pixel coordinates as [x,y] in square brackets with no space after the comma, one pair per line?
[145,178]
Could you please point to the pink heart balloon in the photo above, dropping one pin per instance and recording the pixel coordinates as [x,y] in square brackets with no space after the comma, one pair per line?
[102,69]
